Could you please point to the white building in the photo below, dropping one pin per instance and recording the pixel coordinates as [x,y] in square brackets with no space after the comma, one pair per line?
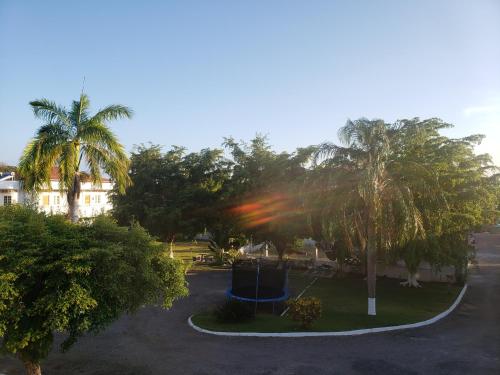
[94,200]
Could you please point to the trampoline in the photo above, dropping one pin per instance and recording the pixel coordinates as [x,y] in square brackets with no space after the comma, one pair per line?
[259,282]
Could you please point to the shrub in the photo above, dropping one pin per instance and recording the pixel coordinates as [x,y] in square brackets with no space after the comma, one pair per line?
[217,251]
[305,310]
[232,255]
[56,276]
[234,311]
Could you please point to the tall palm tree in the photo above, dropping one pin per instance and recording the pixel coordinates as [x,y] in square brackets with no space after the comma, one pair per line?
[369,192]
[68,139]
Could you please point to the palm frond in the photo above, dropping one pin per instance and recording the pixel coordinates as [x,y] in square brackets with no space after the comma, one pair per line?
[114,162]
[50,112]
[68,165]
[37,160]
[94,132]
[113,112]
[79,108]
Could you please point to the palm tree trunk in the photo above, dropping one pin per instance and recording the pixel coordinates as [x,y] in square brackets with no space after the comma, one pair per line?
[171,254]
[371,258]
[73,208]
[32,368]
[73,197]
[361,236]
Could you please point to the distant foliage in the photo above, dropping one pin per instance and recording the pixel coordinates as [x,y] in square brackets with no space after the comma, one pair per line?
[232,255]
[222,256]
[389,192]
[234,311]
[5,168]
[305,310]
[174,194]
[217,251]
[402,191]
[56,276]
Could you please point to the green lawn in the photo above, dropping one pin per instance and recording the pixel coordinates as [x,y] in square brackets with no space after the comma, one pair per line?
[344,303]
[185,251]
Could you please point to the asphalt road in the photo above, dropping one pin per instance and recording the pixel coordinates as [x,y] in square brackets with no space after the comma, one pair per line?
[160,342]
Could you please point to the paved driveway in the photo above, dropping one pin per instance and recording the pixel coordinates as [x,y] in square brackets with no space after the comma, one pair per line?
[160,342]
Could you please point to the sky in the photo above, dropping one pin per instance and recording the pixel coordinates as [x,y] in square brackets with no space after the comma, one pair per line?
[197,71]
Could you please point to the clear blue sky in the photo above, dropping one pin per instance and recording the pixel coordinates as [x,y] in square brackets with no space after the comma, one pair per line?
[196,71]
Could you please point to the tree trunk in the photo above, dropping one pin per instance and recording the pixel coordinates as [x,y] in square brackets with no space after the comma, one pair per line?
[412,281]
[32,368]
[172,249]
[73,196]
[372,279]
[371,258]
[73,208]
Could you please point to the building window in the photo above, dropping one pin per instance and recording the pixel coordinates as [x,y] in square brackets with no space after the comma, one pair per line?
[7,200]
[45,200]
[98,199]
[87,200]
[57,200]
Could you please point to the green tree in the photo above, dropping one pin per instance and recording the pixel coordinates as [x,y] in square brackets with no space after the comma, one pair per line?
[266,191]
[68,139]
[174,194]
[461,199]
[56,276]
[369,191]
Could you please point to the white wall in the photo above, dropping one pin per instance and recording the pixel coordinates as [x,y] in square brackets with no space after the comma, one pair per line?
[94,200]
[10,188]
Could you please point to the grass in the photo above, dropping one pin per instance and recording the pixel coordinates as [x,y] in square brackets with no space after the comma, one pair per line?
[344,306]
[185,251]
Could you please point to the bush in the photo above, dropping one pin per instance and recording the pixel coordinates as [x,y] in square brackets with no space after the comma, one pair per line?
[56,276]
[305,310]
[217,251]
[232,255]
[234,311]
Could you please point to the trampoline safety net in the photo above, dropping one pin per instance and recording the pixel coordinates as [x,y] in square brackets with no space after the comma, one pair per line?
[272,281]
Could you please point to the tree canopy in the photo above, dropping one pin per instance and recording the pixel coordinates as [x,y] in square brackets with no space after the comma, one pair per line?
[174,194]
[61,277]
[399,191]
[67,140]
[177,195]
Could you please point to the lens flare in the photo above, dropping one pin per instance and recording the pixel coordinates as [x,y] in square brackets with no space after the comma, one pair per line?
[267,208]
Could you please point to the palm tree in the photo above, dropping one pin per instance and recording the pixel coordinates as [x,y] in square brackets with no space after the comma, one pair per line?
[369,193]
[69,138]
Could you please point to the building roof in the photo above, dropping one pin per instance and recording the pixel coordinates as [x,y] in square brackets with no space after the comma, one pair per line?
[54,175]
[7,176]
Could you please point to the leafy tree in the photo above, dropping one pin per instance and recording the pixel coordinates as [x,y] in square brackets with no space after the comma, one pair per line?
[369,191]
[337,217]
[69,138]
[58,276]
[266,190]
[427,192]
[463,196]
[173,193]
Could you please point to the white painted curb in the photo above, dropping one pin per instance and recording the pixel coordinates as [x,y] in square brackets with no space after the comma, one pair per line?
[355,332]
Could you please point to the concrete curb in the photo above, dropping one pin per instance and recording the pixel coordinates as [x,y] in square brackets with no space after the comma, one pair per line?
[355,332]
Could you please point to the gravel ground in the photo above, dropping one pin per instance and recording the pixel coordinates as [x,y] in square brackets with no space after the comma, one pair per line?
[160,342]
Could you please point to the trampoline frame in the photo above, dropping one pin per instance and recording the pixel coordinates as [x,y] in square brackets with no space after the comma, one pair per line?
[285,296]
